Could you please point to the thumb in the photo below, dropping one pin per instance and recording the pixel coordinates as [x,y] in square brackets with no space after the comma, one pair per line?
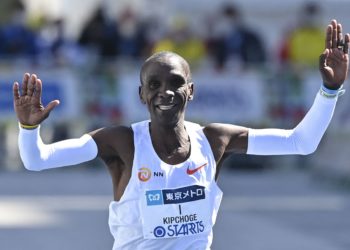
[50,107]
[323,58]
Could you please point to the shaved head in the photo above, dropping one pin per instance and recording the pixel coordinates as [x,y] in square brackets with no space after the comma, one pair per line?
[163,58]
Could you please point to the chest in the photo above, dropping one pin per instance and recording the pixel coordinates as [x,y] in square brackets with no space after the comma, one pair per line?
[155,174]
[175,200]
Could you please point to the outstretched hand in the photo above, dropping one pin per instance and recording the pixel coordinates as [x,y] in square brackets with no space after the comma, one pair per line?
[27,104]
[334,61]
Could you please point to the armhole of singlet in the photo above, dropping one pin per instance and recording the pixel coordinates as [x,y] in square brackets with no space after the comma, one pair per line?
[197,128]
[207,145]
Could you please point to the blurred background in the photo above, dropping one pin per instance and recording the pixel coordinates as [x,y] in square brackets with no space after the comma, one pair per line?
[254,63]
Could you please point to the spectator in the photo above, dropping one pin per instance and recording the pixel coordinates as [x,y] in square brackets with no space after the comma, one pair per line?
[132,35]
[230,38]
[16,38]
[304,42]
[100,34]
[53,42]
[181,40]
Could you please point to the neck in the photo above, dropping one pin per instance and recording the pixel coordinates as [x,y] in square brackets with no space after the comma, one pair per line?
[170,141]
[172,134]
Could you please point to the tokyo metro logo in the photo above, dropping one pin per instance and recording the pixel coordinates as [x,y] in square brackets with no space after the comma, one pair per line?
[144,174]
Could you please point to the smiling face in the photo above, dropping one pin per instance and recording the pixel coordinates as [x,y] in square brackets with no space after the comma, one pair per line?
[166,88]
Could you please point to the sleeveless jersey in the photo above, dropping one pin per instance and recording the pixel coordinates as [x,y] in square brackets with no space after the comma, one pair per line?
[167,206]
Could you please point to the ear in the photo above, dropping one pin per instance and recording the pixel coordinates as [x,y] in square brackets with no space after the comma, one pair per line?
[141,95]
[191,90]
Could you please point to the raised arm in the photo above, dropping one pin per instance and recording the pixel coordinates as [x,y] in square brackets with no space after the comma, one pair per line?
[30,113]
[305,137]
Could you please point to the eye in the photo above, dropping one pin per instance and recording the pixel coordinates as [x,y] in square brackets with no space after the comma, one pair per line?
[153,84]
[178,81]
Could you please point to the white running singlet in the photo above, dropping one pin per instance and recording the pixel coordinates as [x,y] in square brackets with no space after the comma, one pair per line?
[164,206]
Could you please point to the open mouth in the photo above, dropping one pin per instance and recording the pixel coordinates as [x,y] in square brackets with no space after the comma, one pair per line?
[165,107]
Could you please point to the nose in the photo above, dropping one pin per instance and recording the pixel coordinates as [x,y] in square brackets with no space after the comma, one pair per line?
[169,92]
[166,93]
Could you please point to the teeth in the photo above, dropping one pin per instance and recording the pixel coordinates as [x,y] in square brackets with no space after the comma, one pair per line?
[165,107]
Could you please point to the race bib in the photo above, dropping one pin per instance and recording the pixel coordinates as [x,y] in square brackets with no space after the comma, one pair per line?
[179,212]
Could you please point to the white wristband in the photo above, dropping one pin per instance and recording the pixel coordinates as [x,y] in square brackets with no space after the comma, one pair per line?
[330,93]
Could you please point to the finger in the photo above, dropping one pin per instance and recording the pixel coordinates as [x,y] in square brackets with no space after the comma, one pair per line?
[346,43]
[329,36]
[50,107]
[31,85]
[340,36]
[25,83]
[38,89]
[334,34]
[15,91]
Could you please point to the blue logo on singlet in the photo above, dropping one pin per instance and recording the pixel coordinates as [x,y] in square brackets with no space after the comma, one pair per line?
[154,197]
[159,232]
[175,196]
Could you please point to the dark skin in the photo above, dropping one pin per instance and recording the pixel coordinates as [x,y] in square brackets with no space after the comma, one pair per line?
[166,89]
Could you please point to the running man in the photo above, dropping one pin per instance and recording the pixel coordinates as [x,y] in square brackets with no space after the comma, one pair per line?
[164,170]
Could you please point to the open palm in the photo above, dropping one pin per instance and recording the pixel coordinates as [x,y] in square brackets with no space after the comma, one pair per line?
[334,61]
[27,104]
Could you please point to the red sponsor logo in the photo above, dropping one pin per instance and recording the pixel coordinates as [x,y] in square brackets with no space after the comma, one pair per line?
[192,171]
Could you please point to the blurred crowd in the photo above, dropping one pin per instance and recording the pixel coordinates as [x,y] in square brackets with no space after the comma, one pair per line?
[129,37]
[224,42]
[224,39]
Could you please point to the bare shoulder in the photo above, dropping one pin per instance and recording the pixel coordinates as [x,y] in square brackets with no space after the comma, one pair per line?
[114,141]
[223,130]
[227,137]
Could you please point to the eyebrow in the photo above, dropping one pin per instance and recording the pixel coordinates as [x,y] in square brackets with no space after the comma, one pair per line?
[178,77]
[151,78]
[172,75]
